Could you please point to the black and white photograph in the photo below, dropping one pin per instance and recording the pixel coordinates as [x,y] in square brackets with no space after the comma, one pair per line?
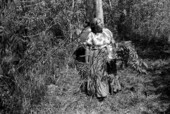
[84,56]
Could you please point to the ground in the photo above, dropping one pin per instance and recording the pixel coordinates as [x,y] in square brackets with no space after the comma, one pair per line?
[141,93]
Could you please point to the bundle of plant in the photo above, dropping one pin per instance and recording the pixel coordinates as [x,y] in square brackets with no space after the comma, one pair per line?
[127,54]
[97,73]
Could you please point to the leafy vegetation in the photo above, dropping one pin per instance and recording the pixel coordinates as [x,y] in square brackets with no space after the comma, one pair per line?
[37,69]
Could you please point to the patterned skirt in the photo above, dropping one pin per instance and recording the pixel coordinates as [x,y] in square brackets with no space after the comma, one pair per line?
[99,74]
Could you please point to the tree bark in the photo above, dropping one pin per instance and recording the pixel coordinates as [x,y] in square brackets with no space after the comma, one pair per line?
[94,9]
[99,10]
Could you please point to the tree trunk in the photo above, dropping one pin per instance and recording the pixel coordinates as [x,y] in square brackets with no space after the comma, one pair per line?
[94,9]
[99,10]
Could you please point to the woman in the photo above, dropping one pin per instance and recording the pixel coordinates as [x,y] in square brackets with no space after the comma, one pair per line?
[99,43]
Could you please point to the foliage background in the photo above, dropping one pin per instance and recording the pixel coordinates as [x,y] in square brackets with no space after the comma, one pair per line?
[37,71]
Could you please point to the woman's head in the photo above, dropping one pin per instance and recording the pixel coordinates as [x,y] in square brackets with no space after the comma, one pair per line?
[97,25]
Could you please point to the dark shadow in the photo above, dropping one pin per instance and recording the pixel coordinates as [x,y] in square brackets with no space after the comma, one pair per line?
[79,54]
[162,83]
[112,67]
